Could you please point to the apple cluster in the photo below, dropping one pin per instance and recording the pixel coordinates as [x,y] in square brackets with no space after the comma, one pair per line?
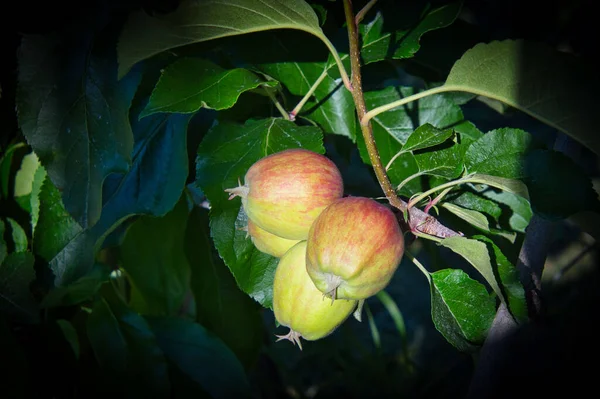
[343,248]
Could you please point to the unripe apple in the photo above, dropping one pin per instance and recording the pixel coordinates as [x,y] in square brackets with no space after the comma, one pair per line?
[267,242]
[284,192]
[299,305]
[354,248]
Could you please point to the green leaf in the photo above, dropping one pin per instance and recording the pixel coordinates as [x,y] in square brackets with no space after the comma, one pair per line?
[509,277]
[224,156]
[474,218]
[126,349]
[25,175]
[468,132]
[426,136]
[558,186]
[476,253]
[34,197]
[552,86]
[74,114]
[192,83]
[70,335]
[500,152]
[3,249]
[18,235]
[520,208]
[16,273]
[509,185]
[80,290]
[220,305]
[6,171]
[197,21]
[441,161]
[201,356]
[461,309]
[398,36]
[393,128]
[153,256]
[474,202]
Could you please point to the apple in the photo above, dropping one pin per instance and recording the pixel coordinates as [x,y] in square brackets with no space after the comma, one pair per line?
[353,248]
[283,193]
[269,243]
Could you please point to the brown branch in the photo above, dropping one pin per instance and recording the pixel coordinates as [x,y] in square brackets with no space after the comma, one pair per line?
[417,220]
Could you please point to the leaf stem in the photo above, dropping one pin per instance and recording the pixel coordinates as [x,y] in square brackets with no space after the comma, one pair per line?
[416,199]
[338,60]
[277,104]
[361,14]
[361,110]
[419,265]
[409,178]
[296,110]
[436,90]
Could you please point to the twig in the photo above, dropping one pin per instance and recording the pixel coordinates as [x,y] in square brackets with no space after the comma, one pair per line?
[307,96]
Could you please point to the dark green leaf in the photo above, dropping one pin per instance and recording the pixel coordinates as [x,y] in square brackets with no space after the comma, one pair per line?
[126,349]
[70,335]
[474,218]
[461,308]
[153,256]
[197,21]
[509,185]
[74,114]
[192,83]
[18,235]
[476,253]
[474,202]
[442,161]
[16,273]
[555,87]
[220,305]
[509,278]
[558,186]
[6,168]
[426,136]
[520,208]
[468,132]
[201,356]
[500,152]
[399,37]
[224,156]
[80,290]
[3,249]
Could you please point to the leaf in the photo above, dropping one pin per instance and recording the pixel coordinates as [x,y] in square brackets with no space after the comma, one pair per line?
[34,198]
[552,86]
[509,185]
[461,309]
[520,207]
[80,290]
[18,235]
[3,249]
[442,161]
[224,156]
[6,168]
[474,202]
[74,114]
[25,175]
[153,256]
[476,253]
[16,273]
[70,335]
[426,136]
[192,83]
[392,129]
[220,305]
[500,152]
[558,186]
[126,349]
[509,277]
[399,36]
[197,21]
[474,218]
[201,356]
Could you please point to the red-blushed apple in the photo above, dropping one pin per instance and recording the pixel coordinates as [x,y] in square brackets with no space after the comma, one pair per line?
[299,305]
[353,248]
[283,193]
[267,242]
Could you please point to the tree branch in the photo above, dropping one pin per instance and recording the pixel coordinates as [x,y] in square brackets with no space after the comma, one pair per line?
[417,220]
